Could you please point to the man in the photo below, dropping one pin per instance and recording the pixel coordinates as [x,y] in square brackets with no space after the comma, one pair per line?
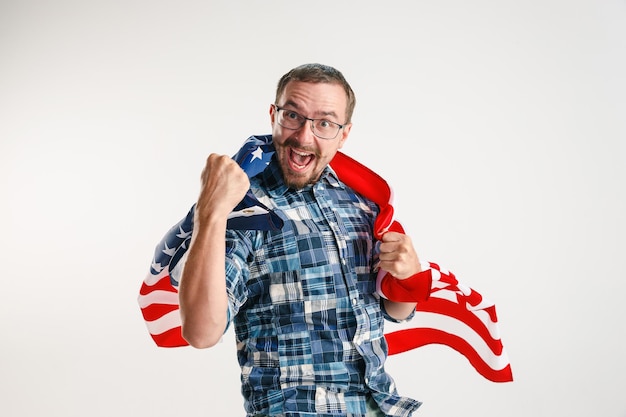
[308,324]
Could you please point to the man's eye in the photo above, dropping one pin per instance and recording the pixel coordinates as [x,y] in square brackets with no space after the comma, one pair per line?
[325,123]
[292,115]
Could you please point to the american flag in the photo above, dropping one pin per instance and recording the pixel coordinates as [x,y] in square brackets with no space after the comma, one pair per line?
[457,316]
[450,313]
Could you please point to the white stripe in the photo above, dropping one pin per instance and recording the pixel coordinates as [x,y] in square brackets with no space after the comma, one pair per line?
[444,294]
[379,280]
[247,212]
[450,295]
[492,326]
[164,323]
[435,273]
[392,195]
[153,279]
[453,326]
[482,315]
[158,297]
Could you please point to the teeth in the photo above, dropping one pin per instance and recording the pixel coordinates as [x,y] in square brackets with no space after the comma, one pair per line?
[299,156]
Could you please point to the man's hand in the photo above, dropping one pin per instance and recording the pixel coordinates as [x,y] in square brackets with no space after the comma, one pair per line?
[224,184]
[397,255]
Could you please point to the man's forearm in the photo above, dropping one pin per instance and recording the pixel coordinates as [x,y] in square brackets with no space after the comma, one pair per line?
[399,310]
[202,291]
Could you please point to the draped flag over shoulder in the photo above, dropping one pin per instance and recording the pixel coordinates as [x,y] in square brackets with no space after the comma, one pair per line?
[447,313]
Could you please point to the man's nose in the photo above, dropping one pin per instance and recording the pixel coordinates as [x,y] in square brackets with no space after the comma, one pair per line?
[306,135]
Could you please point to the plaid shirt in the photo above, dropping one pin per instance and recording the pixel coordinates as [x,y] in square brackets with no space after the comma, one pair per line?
[308,324]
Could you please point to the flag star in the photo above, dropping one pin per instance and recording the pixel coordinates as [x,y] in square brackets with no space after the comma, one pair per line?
[182,233]
[257,154]
[157,266]
[168,251]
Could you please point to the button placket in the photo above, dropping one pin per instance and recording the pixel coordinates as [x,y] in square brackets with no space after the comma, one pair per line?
[329,212]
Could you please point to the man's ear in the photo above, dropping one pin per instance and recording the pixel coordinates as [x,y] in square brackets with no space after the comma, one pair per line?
[272,114]
[344,135]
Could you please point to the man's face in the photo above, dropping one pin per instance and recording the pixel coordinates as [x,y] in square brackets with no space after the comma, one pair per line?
[302,155]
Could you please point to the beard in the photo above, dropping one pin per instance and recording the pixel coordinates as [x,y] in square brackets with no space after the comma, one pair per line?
[288,160]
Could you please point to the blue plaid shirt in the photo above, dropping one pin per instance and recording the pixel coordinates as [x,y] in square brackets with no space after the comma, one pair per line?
[308,324]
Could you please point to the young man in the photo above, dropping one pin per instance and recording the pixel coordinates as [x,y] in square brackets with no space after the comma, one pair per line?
[308,324]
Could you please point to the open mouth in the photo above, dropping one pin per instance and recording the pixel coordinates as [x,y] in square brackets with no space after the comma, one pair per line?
[299,160]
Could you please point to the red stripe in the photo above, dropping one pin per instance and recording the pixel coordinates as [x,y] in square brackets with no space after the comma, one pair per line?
[164,284]
[404,340]
[170,338]
[156,311]
[459,312]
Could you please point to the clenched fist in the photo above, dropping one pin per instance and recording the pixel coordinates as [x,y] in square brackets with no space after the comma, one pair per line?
[397,255]
[223,186]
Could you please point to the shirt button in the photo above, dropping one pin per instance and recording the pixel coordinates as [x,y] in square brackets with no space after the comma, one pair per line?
[354,301]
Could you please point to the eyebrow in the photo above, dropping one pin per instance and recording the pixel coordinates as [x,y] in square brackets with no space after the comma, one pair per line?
[319,113]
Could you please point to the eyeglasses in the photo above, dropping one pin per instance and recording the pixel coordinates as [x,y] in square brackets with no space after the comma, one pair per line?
[322,128]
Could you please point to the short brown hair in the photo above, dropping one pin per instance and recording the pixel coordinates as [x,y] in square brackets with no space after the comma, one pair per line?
[318,73]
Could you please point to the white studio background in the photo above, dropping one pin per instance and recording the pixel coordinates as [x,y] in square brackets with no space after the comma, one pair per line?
[499,124]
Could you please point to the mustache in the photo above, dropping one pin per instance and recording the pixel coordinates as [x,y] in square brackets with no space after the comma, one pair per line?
[293,143]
